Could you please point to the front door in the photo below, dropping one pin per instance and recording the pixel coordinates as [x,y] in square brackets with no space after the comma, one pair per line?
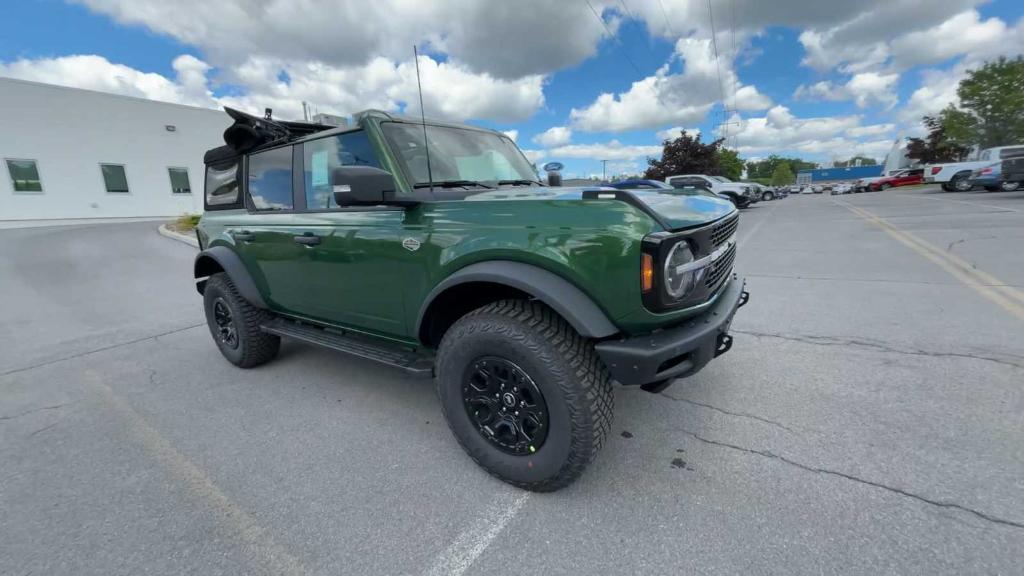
[333,264]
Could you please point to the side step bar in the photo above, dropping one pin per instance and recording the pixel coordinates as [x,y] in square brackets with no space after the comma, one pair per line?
[413,363]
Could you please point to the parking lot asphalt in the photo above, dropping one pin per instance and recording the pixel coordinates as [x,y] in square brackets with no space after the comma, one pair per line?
[868,420]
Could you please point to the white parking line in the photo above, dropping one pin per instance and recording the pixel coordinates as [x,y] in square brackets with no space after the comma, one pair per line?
[464,550]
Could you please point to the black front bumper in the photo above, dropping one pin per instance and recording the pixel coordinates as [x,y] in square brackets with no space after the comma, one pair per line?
[679,351]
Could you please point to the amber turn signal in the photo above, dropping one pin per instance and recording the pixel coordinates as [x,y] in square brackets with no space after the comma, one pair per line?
[647,273]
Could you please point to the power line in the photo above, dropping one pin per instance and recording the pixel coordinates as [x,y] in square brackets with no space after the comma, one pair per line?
[735,72]
[718,67]
[668,23]
[624,54]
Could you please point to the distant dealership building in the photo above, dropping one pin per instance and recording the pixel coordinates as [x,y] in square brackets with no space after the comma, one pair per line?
[71,153]
[818,175]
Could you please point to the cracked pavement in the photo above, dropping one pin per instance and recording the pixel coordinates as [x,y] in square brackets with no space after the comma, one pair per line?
[866,421]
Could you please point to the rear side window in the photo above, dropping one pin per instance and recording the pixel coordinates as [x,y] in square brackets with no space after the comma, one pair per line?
[270,179]
[1014,152]
[222,186]
[322,156]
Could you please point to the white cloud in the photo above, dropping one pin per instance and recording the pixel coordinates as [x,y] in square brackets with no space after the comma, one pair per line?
[449,91]
[513,134]
[870,130]
[964,33]
[534,155]
[477,35]
[864,88]
[664,98]
[937,91]
[96,73]
[555,136]
[673,133]
[611,150]
[779,131]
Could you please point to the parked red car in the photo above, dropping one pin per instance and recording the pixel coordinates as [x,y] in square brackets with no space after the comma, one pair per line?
[901,178]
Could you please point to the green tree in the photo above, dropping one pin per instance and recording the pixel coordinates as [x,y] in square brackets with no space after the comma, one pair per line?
[729,164]
[991,109]
[766,168]
[936,146]
[684,155]
[858,161]
[783,175]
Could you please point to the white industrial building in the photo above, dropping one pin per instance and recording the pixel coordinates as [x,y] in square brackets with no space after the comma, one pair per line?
[71,153]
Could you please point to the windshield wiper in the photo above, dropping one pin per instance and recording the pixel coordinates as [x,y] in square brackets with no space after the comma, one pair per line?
[518,182]
[451,184]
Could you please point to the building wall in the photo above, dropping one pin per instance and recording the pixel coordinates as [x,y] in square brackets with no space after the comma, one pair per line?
[838,174]
[69,132]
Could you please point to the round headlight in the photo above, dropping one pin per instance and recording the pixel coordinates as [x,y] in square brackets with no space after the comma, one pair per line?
[680,279]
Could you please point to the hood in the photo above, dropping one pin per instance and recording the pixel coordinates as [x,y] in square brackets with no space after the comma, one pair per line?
[676,210]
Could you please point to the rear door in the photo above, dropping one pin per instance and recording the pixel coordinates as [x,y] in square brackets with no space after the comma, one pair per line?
[266,239]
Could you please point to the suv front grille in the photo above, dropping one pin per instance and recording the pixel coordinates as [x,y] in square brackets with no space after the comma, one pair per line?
[720,269]
[724,231]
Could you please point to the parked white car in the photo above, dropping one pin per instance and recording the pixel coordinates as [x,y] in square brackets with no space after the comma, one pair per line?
[956,176]
[842,188]
[741,196]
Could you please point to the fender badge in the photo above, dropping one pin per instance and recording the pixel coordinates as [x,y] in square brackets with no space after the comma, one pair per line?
[411,244]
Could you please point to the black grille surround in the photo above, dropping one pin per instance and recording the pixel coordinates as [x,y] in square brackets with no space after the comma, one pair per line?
[705,240]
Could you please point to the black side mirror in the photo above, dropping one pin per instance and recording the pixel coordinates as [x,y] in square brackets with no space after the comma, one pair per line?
[363,186]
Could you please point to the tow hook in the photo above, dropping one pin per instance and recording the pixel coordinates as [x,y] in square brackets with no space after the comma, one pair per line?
[724,345]
[744,298]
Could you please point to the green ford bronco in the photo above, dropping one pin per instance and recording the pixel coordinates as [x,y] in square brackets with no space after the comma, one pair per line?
[433,247]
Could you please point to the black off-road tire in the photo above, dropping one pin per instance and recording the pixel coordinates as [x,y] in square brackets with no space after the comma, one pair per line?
[959,182]
[767,196]
[565,368]
[253,347]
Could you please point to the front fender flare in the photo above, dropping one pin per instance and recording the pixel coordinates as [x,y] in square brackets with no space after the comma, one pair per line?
[228,261]
[562,296]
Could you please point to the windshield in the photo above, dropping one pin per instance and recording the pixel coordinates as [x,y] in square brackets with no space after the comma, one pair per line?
[721,178]
[457,154]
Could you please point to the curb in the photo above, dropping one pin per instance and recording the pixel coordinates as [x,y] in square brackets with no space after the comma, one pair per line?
[184,238]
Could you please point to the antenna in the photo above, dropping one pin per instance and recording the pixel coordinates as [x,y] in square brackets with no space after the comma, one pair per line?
[423,116]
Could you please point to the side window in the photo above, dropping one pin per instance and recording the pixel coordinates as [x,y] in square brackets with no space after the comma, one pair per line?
[1011,152]
[322,156]
[222,185]
[985,155]
[270,179]
[179,181]
[24,175]
[114,178]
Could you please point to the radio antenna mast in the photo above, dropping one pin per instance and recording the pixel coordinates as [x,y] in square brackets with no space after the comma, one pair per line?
[423,116]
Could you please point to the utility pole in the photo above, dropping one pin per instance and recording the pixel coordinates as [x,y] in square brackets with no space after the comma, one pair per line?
[604,170]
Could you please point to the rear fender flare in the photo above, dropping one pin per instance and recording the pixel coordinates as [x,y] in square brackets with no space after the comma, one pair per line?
[223,258]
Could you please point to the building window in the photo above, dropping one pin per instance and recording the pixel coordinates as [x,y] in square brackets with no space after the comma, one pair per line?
[179,181]
[270,179]
[24,175]
[114,178]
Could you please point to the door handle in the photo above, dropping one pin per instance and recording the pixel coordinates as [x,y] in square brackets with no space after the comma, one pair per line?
[243,236]
[307,239]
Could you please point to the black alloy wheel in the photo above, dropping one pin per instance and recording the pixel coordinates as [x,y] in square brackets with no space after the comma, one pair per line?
[505,404]
[226,329]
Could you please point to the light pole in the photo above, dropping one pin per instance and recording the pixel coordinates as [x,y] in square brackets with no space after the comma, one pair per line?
[604,170]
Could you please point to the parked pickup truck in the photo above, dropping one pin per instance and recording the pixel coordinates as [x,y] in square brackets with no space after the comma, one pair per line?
[956,176]
[740,195]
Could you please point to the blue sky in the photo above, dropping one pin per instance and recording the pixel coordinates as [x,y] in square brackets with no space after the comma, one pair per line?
[819,82]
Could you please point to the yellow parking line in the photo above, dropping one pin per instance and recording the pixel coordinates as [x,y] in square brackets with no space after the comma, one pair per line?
[995,290]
